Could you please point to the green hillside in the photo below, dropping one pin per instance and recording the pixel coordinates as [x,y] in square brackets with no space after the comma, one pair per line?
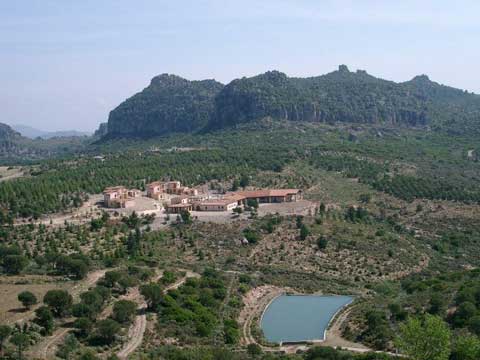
[171,104]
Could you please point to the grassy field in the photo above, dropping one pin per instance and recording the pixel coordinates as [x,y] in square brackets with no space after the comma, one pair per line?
[11,310]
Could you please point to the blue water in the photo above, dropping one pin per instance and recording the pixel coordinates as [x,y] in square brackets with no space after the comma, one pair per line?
[300,317]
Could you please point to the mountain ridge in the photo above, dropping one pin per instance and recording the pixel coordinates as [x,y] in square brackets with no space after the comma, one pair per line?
[171,104]
[168,104]
[33,133]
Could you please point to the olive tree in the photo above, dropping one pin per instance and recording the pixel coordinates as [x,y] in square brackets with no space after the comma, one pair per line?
[425,338]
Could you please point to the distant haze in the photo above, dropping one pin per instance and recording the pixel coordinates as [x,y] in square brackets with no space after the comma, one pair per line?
[64,65]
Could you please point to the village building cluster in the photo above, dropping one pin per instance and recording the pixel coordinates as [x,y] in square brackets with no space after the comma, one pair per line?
[177,198]
[120,197]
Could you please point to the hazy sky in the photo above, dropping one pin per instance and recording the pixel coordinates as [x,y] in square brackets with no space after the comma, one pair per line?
[65,64]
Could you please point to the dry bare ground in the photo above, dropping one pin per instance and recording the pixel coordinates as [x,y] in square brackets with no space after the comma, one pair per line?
[46,348]
[334,334]
[255,302]
[9,173]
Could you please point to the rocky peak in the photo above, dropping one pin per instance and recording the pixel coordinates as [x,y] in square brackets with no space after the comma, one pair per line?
[168,80]
[421,78]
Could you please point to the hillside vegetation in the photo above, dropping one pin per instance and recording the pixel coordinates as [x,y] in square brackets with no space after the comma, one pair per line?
[15,148]
[172,104]
[168,104]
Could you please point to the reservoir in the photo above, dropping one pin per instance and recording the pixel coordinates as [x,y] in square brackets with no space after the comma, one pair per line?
[295,318]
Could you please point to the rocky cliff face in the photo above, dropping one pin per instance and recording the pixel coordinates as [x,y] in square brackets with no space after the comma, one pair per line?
[169,104]
[173,104]
[101,131]
[341,96]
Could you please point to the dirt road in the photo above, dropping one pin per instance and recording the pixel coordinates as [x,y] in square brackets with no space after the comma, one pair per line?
[137,330]
[46,349]
[255,302]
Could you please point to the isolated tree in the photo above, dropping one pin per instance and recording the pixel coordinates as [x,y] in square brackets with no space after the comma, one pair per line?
[133,242]
[464,313]
[168,277]
[322,208]
[84,326]
[14,264]
[5,332]
[83,310]
[304,232]
[466,347]
[365,198]
[254,350]
[88,355]
[322,242]
[93,299]
[44,318]
[71,266]
[59,301]
[378,331]
[27,298]
[244,181]
[107,330]
[474,325]
[235,185]
[153,295]
[299,221]
[111,278]
[21,341]
[124,311]
[252,203]
[425,339]
[69,346]
[186,217]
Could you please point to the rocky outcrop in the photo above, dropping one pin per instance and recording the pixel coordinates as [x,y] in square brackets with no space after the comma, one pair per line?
[173,104]
[341,96]
[169,104]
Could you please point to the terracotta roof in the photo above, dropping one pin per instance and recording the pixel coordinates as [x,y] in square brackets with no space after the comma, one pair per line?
[218,202]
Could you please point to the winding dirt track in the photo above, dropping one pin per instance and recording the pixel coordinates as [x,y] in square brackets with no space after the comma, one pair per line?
[137,330]
[135,333]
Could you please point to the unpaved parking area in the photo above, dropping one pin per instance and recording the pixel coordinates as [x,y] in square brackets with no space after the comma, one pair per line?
[218,217]
[143,205]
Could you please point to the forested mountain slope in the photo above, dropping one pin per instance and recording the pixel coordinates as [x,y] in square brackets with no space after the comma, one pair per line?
[172,104]
[16,148]
[344,96]
[169,104]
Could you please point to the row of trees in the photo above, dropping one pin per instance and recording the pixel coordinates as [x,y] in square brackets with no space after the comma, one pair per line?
[62,185]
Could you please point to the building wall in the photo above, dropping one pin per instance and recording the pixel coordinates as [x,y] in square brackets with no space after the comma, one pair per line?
[217,207]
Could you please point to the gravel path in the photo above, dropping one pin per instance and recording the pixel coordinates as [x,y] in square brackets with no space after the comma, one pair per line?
[137,330]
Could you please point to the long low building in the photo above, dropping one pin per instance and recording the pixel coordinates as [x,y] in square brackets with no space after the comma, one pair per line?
[179,208]
[272,195]
[217,205]
[233,200]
